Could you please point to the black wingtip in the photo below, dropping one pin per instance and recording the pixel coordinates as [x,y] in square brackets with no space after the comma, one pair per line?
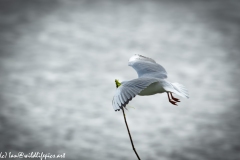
[124,105]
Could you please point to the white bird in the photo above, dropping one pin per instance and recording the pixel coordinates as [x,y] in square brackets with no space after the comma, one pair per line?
[151,80]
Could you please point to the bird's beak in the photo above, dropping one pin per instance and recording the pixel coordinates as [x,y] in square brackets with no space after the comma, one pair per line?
[117,83]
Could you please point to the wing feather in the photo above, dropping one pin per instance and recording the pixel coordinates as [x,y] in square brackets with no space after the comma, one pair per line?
[121,98]
[147,67]
[128,90]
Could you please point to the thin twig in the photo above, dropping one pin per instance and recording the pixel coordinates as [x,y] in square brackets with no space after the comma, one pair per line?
[130,134]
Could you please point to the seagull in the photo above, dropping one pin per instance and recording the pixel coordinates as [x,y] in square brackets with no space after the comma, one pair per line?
[151,80]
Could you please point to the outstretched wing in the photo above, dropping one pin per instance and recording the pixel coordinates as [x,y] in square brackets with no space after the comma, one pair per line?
[128,90]
[147,67]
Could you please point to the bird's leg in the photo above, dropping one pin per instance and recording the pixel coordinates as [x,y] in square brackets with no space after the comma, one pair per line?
[175,99]
[171,101]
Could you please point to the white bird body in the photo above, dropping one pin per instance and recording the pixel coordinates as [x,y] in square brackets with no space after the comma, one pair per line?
[152,89]
[151,80]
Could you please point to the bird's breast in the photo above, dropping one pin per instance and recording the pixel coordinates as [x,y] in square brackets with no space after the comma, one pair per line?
[153,88]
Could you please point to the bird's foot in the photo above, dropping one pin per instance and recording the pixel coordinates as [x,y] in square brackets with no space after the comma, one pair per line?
[175,99]
[174,103]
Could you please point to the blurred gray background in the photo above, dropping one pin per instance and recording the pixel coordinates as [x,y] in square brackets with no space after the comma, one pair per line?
[59,59]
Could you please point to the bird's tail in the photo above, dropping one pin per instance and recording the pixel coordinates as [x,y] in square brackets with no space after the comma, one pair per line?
[180,90]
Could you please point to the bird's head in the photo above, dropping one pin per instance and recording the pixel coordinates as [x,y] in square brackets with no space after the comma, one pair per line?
[117,83]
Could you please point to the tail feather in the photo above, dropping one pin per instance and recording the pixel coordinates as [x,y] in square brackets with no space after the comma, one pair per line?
[181,89]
